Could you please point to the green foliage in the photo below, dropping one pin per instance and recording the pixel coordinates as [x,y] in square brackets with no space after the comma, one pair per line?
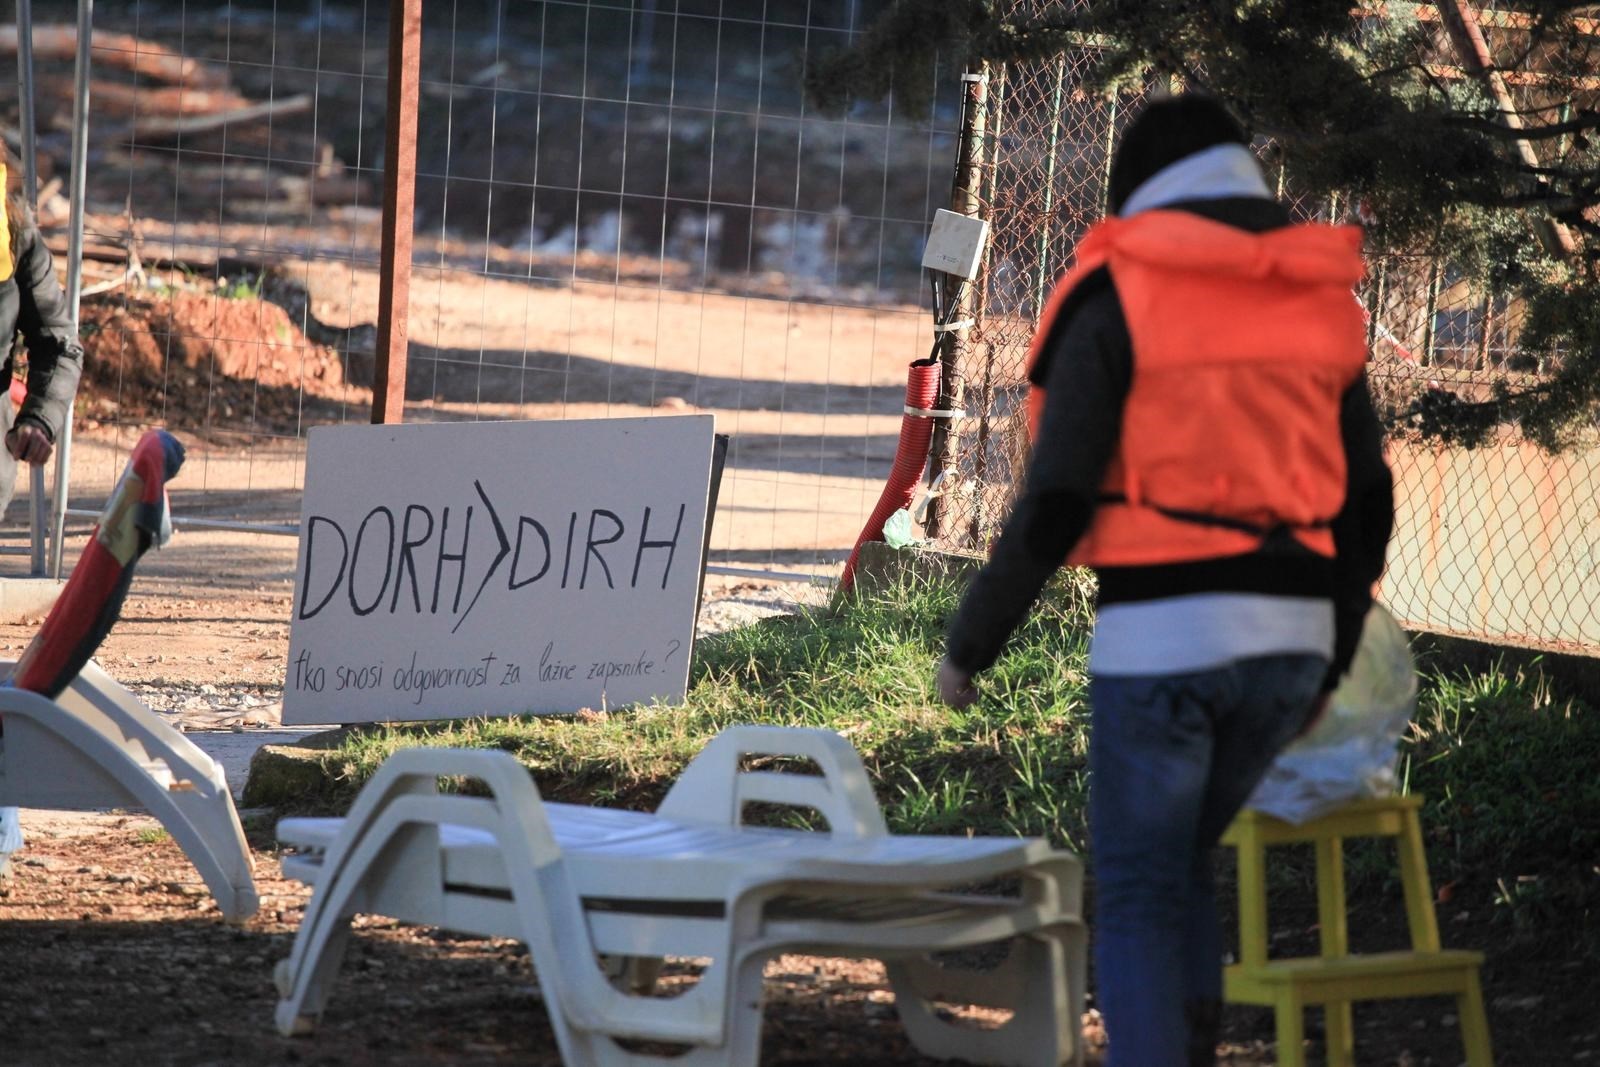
[1507,766]
[899,51]
[240,288]
[1372,109]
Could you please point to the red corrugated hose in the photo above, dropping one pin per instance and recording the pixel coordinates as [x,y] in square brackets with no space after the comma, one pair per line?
[910,456]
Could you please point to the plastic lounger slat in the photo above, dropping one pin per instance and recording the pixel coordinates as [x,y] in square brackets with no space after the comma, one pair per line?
[878,909]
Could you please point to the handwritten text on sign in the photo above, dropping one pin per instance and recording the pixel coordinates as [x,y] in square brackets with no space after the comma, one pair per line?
[496,568]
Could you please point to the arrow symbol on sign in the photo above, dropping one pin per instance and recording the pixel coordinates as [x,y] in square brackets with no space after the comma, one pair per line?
[505,550]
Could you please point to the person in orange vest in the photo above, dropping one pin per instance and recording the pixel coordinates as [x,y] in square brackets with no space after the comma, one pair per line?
[1203,438]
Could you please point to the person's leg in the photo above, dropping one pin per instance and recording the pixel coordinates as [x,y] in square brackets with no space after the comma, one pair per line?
[1202,963]
[1275,694]
[1150,761]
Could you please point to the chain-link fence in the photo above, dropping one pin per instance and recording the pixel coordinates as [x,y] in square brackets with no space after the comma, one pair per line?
[1500,541]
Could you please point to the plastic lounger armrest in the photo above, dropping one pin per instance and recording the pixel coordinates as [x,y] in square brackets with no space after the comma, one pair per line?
[713,788]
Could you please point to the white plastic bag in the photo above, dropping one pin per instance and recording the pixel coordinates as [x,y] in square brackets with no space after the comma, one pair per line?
[1351,752]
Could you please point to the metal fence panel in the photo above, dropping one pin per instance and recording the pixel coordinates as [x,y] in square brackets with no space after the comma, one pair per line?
[622,209]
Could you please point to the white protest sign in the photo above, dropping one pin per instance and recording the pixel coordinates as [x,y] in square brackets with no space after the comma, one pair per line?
[496,568]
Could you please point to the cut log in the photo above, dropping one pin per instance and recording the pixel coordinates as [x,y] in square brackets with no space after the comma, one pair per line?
[116,100]
[59,42]
[244,182]
[167,127]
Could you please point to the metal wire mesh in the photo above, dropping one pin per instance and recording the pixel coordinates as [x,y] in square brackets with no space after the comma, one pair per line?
[1500,541]
[622,209]
[660,223]
[230,161]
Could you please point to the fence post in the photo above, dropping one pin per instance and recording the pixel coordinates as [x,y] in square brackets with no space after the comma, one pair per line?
[1110,151]
[1431,312]
[80,179]
[965,199]
[399,211]
[38,506]
[1485,327]
[980,453]
[1377,308]
[1042,279]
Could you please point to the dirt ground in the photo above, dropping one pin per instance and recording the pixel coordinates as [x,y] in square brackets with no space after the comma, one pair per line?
[809,392]
[112,952]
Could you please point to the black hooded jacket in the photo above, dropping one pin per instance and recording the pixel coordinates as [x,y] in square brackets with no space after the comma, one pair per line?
[32,303]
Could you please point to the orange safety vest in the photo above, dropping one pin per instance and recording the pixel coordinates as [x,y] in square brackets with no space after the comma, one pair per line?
[1243,346]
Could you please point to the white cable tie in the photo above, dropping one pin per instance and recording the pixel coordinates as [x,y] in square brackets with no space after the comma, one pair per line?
[936,488]
[935,413]
[982,79]
[951,327]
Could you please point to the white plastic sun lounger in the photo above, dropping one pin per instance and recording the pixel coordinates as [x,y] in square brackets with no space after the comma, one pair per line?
[98,746]
[580,885]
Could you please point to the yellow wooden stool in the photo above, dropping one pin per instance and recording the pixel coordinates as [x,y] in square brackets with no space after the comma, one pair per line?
[1336,978]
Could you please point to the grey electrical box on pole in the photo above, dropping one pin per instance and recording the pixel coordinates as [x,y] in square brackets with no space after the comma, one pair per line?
[955,244]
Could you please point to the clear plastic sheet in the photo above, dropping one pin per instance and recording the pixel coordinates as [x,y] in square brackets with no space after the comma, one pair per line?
[1351,752]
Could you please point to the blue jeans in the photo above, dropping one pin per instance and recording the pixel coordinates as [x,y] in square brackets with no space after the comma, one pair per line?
[1172,759]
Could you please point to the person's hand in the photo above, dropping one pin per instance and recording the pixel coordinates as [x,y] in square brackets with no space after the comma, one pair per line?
[29,443]
[955,686]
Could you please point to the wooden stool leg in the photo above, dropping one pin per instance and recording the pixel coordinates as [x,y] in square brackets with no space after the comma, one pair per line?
[1333,927]
[1290,1013]
[1339,1018]
[1252,877]
[1414,880]
[1332,924]
[1474,1023]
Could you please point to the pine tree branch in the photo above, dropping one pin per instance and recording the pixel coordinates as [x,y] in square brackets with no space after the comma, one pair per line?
[1461,22]
[1542,132]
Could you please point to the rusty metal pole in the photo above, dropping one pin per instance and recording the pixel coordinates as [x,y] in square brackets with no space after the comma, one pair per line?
[77,199]
[399,210]
[965,199]
[1430,323]
[38,499]
[1461,22]
[982,346]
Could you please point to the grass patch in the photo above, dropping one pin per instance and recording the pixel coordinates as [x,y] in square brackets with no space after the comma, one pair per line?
[1507,762]
[152,835]
[1012,764]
